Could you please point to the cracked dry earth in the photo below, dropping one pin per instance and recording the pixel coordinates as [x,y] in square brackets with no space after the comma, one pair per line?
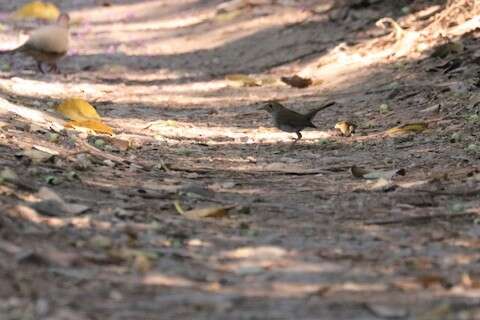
[306,239]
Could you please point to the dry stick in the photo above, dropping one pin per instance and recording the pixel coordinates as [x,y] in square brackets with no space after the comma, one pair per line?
[305,172]
[420,219]
[87,148]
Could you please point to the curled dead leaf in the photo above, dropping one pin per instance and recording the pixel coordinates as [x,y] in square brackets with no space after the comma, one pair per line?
[77,110]
[345,128]
[200,213]
[417,127]
[297,81]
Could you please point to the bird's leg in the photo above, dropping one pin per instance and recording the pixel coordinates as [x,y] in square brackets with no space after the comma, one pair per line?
[54,68]
[299,135]
[40,67]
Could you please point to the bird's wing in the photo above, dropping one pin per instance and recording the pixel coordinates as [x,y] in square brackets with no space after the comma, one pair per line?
[53,39]
[295,119]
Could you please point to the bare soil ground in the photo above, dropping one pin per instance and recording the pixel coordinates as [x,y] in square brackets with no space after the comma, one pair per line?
[305,239]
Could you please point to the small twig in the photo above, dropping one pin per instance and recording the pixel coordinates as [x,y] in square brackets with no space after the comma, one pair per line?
[99,153]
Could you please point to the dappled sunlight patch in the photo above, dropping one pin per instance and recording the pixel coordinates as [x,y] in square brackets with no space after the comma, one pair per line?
[398,45]
[181,130]
[174,42]
[51,89]
[160,279]
[31,215]
[38,117]
[256,253]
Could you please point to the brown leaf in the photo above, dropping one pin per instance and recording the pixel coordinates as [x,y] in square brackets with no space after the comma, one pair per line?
[416,127]
[358,172]
[297,81]
[431,280]
[345,128]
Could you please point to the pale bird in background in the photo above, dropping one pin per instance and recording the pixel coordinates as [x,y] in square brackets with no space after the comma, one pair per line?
[47,44]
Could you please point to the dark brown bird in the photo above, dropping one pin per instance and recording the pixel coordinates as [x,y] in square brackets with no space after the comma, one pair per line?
[47,44]
[290,121]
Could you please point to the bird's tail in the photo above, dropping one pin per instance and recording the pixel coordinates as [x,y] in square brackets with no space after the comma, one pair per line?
[312,113]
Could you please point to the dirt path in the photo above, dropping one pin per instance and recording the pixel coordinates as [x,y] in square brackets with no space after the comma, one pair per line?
[305,239]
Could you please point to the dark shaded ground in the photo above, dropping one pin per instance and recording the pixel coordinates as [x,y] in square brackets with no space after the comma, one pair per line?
[306,240]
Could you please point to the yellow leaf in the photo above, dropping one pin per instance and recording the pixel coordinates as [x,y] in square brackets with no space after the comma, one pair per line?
[77,110]
[243,80]
[178,207]
[407,128]
[94,125]
[345,128]
[209,212]
[38,10]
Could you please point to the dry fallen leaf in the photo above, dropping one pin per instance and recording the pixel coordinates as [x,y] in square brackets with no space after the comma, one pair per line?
[200,213]
[142,263]
[297,81]
[77,110]
[408,128]
[51,204]
[38,10]
[95,125]
[243,80]
[36,156]
[345,128]
[431,280]
[120,144]
[358,172]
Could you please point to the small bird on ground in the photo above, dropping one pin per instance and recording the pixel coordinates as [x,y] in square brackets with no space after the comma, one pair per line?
[47,44]
[290,121]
